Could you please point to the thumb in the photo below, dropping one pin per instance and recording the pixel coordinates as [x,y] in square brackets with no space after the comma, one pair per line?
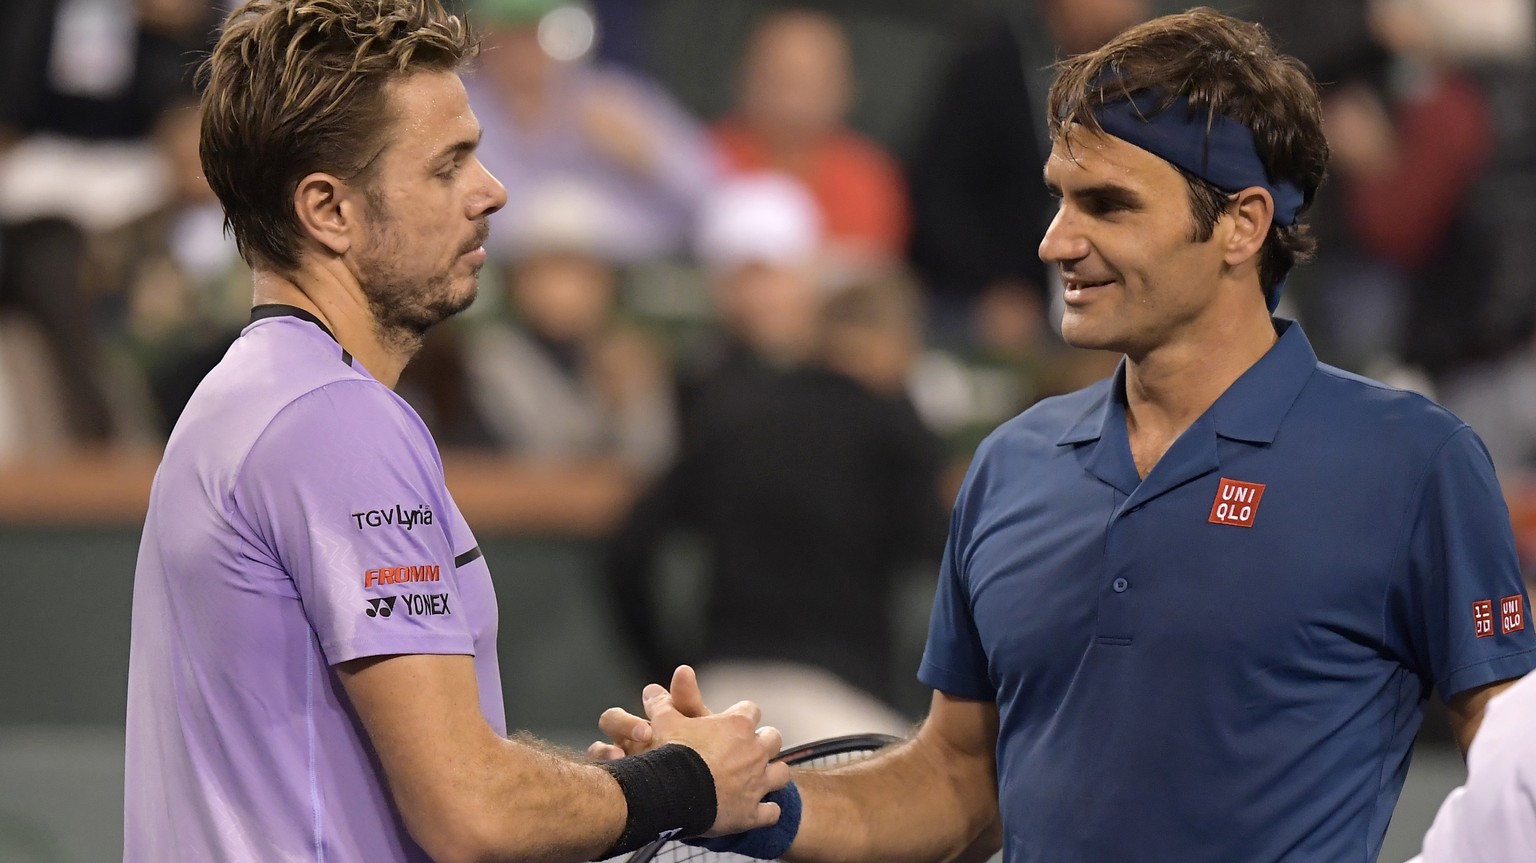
[658,701]
[686,696]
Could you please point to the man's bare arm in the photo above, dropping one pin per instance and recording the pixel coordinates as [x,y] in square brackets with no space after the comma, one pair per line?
[467,794]
[1465,711]
[930,798]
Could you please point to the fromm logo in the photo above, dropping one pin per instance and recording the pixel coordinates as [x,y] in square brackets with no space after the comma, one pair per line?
[401,575]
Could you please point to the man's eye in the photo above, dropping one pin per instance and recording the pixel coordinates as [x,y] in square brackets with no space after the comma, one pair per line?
[451,171]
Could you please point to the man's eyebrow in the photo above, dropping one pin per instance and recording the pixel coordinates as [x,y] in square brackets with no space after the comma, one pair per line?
[461,146]
[1111,193]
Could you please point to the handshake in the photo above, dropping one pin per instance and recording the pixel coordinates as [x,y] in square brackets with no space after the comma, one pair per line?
[687,771]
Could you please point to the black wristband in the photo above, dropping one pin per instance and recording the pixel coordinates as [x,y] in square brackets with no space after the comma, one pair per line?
[670,793]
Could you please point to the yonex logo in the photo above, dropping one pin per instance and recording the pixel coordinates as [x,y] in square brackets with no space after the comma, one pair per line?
[426,604]
[413,604]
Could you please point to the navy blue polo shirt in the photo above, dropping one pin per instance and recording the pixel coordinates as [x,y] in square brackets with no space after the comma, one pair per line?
[1228,660]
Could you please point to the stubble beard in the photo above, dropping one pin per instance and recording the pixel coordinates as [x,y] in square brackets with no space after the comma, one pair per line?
[403,309]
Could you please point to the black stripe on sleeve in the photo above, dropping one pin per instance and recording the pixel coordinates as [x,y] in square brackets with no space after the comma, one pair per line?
[468,557]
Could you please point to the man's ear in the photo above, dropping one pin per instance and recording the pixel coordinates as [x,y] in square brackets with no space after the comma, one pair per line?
[1252,212]
[328,211]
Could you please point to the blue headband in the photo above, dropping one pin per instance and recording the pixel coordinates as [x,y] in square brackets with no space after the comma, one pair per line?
[1225,157]
[1223,154]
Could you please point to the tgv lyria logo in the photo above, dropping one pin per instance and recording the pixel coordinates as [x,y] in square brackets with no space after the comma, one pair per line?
[397,516]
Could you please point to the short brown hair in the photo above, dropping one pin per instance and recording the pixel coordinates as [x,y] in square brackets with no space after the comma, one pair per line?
[1223,66]
[297,86]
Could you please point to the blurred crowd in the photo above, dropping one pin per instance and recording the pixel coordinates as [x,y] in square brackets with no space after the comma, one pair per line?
[787,331]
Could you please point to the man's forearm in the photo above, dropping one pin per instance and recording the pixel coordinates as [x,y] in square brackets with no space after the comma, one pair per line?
[466,793]
[513,800]
[916,802]
[547,805]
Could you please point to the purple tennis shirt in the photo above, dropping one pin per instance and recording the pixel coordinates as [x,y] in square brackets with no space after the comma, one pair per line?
[299,519]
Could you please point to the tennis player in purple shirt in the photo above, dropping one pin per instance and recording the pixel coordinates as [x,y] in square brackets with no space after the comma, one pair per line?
[313,668]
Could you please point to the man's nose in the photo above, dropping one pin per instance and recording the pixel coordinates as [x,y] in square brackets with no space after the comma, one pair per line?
[1063,242]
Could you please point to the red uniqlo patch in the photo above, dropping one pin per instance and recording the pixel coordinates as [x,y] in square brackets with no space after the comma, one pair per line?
[1512,610]
[1482,618]
[1236,502]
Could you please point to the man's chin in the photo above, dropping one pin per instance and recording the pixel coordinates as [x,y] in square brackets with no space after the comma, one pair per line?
[429,315]
[464,297]
[1079,334]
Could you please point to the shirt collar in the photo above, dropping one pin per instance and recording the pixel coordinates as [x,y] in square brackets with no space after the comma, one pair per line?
[1250,410]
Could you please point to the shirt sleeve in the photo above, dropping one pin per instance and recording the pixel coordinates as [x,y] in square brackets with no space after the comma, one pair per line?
[345,492]
[954,661]
[1467,607]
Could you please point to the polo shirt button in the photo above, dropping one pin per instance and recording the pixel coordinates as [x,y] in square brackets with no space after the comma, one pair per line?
[1120,585]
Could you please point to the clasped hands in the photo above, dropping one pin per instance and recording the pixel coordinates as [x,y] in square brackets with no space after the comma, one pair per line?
[739,752]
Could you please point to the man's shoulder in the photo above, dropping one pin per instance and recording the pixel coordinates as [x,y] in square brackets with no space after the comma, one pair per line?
[1054,416]
[1022,445]
[268,372]
[1375,410]
[273,364]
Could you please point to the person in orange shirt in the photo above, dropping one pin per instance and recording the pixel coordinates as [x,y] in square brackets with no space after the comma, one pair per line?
[792,99]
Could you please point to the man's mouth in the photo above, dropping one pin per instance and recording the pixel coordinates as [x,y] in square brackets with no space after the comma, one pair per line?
[1079,291]
[479,241]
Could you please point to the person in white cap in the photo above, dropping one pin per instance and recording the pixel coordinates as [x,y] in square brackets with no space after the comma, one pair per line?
[758,238]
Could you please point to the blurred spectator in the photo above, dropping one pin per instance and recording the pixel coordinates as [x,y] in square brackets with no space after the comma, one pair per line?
[98,70]
[810,491]
[1433,161]
[758,239]
[1332,37]
[85,80]
[1350,304]
[980,210]
[980,206]
[625,28]
[1406,160]
[170,288]
[792,99]
[1471,317]
[563,378]
[1488,32]
[551,116]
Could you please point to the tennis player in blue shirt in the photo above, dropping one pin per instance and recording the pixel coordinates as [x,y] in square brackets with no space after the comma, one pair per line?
[1192,612]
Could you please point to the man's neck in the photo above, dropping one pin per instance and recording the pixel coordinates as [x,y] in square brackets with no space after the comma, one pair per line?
[344,310]
[1168,388]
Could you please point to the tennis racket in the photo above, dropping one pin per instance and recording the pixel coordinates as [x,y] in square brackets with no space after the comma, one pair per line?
[821,753]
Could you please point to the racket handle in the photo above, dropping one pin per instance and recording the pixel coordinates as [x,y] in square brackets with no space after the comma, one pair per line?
[764,843]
